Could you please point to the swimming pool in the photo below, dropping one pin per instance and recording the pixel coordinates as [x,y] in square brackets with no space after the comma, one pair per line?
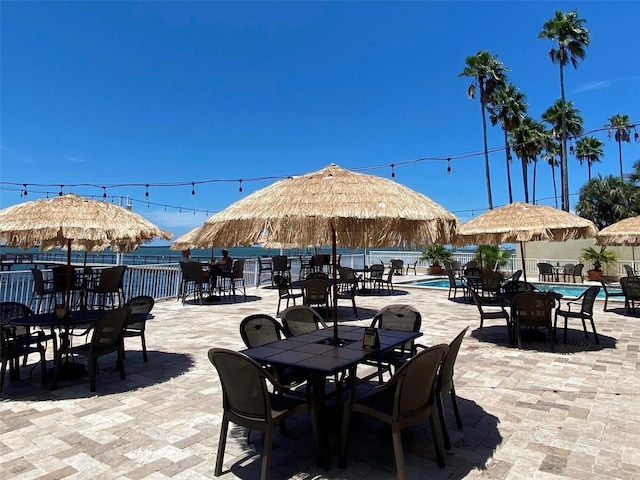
[567,290]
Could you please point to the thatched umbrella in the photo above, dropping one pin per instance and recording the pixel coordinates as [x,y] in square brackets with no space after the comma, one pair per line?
[625,232]
[524,222]
[185,241]
[75,223]
[331,206]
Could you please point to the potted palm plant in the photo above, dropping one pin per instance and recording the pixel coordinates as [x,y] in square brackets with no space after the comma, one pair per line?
[491,256]
[599,258]
[436,254]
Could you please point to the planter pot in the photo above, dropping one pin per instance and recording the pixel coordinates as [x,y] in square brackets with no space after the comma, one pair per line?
[435,270]
[594,275]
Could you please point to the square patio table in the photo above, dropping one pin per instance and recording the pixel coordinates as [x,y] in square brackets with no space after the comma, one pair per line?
[314,354]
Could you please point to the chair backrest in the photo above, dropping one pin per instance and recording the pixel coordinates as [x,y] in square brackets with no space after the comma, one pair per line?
[315,291]
[471,264]
[491,281]
[111,278]
[397,266]
[282,284]
[191,271]
[577,270]
[60,278]
[445,375]
[588,299]
[451,276]
[398,317]
[545,268]
[376,271]
[237,270]
[245,394]
[259,329]
[415,385]
[300,319]
[567,269]
[629,270]
[347,275]
[631,287]
[265,265]
[533,308]
[107,331]
[280,263]
[140,307]
[38,281]
[9,310]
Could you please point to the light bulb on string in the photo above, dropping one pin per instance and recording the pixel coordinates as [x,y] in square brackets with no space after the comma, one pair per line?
[393,172]
[60,194]
[146,192]
[240,188]
[104,192]
[193,188]
[448,165]
[25,187]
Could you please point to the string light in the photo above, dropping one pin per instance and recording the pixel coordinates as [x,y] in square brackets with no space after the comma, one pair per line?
[393,173]
[240,189]
[60,194]
[146,192]
[448,165]
[104,192]
[193,188]
[25,186]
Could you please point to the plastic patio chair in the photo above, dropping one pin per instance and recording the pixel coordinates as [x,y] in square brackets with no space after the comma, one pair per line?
[585,301]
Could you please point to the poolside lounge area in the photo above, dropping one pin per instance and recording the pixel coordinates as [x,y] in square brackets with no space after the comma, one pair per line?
[527,413]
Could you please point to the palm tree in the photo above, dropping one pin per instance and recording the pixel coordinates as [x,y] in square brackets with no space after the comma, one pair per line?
[570,38]
[488,74]
[634,176]
[620,127]
[572,118]
[527,141]
[508,106]
[589,149]
[551,154]
[608,200]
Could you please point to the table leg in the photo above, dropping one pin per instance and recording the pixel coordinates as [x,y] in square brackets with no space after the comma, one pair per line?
[316,385]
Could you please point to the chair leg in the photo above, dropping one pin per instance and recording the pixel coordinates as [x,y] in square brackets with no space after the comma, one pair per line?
[346,419]
[266,454]
[43,368]
[93,366]
[3,372]
[221,444]
[454,402]
[595,335]
[121,363]
[144,347]
[397,450]
[436,441]
[443,421]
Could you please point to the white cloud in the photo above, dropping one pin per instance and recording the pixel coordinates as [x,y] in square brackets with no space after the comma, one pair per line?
[585,87]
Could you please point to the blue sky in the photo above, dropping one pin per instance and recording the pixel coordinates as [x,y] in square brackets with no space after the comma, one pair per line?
[113,93]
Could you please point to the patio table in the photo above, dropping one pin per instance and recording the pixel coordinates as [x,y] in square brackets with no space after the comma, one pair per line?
[315,354]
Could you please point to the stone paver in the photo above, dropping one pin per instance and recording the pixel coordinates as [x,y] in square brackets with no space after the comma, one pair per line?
[527,413]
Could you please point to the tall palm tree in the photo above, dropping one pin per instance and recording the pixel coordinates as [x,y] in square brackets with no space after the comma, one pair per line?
[589,149]
[508,106]
[551,154]
[620,127]
[570,38]
[488,74]
[527,141]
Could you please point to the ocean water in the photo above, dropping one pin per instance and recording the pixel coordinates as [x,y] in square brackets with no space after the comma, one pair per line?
[145,255]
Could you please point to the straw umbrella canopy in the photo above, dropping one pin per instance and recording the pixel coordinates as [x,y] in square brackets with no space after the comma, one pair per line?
[75,223]
[186,240]
[625,232]
[524,222]
[331,206]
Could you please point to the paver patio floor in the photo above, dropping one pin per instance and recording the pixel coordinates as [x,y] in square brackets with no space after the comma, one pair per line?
[527,413]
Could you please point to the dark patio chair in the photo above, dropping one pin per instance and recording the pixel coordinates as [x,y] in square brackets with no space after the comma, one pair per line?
[19,334]
[491,310]
[43,292]
[611,290]
[375,275]
[248,403]
[630,271]
[321,275]
[108,292]
[545,272]
[533,309]
[397,266]
[284,291]
[576,273]
[490,283]
[193,281]
[264,268]
[445,385]
[454,283]
[281,265]
[12,349]
[412,266]
[567,271]
[140,307]
[348,287]
[315,293]
[406,400]
[585,301]
[107,337]
[235,278]
[631,288]
[395,317]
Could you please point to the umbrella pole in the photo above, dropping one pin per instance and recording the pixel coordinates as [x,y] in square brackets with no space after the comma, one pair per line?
[68,282]
[524,265]
[334,310]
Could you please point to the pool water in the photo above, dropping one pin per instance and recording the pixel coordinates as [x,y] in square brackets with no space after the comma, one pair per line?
[565,289]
